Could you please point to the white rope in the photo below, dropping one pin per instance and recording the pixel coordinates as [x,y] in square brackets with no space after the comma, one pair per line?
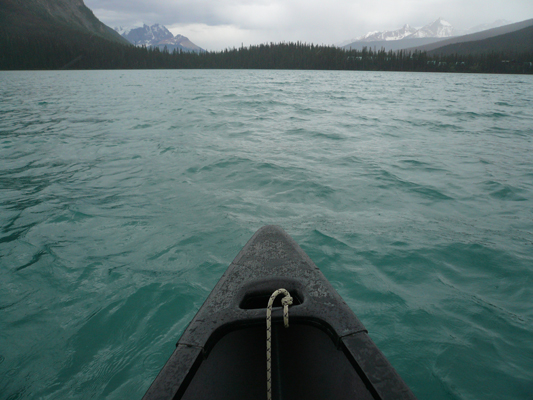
[286,302]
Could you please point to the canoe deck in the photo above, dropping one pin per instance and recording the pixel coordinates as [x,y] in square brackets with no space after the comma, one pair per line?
[326,352]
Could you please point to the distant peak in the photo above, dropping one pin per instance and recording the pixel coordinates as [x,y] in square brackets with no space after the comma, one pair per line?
[442,21]
[437,28]
[157,35]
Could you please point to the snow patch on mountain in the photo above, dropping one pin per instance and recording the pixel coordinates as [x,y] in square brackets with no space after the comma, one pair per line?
[156,35]
[439,29]
[122,30]
[389,35]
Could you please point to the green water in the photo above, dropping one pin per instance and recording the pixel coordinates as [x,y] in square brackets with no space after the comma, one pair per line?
[124,195]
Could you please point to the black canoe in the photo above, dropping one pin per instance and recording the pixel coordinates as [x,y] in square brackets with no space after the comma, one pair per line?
[324,354]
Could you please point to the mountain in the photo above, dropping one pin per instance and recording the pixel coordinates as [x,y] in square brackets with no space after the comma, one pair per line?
[52,18]
[145,35]
[403,38]
[57,34]
[431,36]
[478,36]
[387,35]
[483,27]
[157,35]
[517,42]
[438,29]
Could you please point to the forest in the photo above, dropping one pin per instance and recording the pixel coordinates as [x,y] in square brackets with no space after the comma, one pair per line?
[86,51]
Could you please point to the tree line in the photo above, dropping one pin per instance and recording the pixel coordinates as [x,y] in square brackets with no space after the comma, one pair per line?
[85,51]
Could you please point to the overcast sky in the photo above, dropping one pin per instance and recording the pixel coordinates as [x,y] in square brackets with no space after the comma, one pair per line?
[220,24]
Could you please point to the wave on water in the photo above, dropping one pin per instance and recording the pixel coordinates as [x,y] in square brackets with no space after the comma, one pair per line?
[122,203]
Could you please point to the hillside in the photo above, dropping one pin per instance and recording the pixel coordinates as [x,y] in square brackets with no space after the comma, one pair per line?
[476,36]
[510,43]
[392,44]
[52,18]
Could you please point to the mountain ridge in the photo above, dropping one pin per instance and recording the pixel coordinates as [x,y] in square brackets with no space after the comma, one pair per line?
[52,17]
[486,34]
[433,32]
[439,28]
[413,43]
[516,42]
[159,36]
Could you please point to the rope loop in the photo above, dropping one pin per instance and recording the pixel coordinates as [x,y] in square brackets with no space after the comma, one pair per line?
[286,301]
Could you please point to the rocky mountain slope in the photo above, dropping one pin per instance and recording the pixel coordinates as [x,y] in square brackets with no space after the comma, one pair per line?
[51,17]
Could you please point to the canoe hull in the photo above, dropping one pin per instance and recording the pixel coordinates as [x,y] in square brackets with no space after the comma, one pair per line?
[325,353]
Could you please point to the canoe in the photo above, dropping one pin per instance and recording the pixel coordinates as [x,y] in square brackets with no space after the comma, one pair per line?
[325,353]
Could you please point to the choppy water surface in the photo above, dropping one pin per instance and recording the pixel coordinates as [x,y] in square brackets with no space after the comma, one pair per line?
[124,195]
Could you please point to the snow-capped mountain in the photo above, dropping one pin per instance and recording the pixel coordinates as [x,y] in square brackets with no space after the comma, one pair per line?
[179,42]
[157,35]
[440,29]
[388,35]
[437,29]
[122,30]
[145,35]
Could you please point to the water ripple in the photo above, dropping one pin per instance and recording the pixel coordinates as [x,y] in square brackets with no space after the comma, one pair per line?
[124,195]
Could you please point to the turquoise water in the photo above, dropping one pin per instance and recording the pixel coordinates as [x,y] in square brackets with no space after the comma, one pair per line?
[124,195]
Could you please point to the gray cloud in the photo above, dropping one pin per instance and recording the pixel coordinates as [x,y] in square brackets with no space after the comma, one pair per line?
[217,24]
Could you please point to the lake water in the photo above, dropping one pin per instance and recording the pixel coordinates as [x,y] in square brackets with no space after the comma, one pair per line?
[124,196]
